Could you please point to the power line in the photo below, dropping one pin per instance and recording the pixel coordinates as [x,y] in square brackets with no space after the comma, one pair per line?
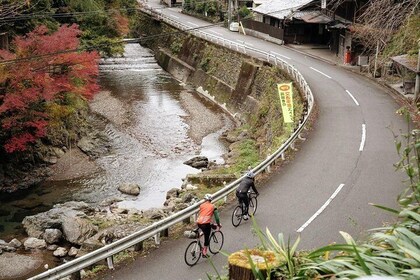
[90,48]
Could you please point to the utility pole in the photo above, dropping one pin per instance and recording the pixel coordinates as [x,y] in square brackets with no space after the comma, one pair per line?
[229,13]
[376,59]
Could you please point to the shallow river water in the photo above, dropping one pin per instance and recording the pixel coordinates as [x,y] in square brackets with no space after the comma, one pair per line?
[149,129]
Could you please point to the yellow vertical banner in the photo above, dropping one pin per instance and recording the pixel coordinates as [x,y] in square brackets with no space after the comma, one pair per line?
[286,100]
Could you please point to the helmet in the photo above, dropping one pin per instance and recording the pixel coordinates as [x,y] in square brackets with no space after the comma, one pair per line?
[250,174]
[208,197]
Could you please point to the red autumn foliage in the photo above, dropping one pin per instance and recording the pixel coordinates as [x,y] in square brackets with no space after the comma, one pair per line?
[27,85]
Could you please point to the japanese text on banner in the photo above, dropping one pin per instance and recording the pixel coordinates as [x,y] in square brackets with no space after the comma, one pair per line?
[286,100]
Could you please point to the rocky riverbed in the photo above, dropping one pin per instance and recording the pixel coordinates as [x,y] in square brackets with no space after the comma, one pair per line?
[73,228]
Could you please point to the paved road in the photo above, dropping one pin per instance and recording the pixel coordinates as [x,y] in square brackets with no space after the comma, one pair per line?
[349,150]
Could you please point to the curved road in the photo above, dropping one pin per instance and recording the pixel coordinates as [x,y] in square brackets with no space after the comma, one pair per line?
[349,152]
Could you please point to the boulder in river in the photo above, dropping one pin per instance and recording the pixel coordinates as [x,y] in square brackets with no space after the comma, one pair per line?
[34,243]
[52,235]
[76,230]
[131,189]
[60,252]
[71,217]
[73,252]
[198,162]
[15,243]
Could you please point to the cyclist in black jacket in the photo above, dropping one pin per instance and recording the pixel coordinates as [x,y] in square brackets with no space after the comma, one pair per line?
[242,191]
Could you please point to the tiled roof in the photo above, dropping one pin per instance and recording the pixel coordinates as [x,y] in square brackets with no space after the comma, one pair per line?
[280,8]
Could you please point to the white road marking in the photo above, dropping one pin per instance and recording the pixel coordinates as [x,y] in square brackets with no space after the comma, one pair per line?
[316,70]
[280,55]
[362,143]
[354,99]
[321,209]
[173,16]
[192,23]
[244,43]
[215,32]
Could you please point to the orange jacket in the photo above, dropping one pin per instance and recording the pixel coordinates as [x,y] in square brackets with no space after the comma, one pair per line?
[206,213]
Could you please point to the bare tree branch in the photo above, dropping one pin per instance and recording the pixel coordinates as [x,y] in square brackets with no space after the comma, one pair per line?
[380,19]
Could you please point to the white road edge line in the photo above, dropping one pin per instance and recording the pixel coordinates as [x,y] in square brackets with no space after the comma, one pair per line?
[354,99]
[321,209]
[215,32]
[316,70]
[244,43]
[174,16]
[280,55]
[362,143]
[192,23]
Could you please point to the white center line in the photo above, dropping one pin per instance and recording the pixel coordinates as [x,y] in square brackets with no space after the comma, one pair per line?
[362,143]
[354,99]
[215,32]
[192,23]
[173,16]
[321,209]
[281,55]
[316,70]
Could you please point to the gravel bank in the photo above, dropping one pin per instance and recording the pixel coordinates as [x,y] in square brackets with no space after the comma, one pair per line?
[201,121]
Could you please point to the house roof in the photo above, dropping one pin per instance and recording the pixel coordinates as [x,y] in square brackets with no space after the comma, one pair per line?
[280,8]
[312,17]
[406,61]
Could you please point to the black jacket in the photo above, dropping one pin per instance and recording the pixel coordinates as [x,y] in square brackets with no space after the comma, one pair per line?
[245,185]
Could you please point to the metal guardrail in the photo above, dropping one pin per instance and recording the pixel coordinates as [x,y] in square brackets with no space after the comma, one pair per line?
[155,229]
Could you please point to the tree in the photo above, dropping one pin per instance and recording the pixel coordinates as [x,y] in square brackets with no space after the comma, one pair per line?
[43,70]
[381,20]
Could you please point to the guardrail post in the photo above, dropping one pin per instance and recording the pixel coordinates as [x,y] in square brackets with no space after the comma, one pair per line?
[292,146]
[110,262]
[268,169]
[157,238]
[282,156]
[301,138]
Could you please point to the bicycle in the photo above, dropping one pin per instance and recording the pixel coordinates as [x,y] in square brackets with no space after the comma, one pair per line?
[238,211]
[194,250]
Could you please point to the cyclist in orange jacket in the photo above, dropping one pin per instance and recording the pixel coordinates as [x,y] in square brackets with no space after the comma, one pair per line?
[207,210]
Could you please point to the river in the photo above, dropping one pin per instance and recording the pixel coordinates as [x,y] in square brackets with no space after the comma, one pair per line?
[154,124]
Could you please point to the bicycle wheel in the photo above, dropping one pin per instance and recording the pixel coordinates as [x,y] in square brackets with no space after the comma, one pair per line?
[216,242]
[252,205]
[237,216]
[192,253]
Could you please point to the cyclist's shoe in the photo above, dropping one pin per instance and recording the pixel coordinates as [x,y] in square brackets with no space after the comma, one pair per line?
[204,252]
[246,217]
